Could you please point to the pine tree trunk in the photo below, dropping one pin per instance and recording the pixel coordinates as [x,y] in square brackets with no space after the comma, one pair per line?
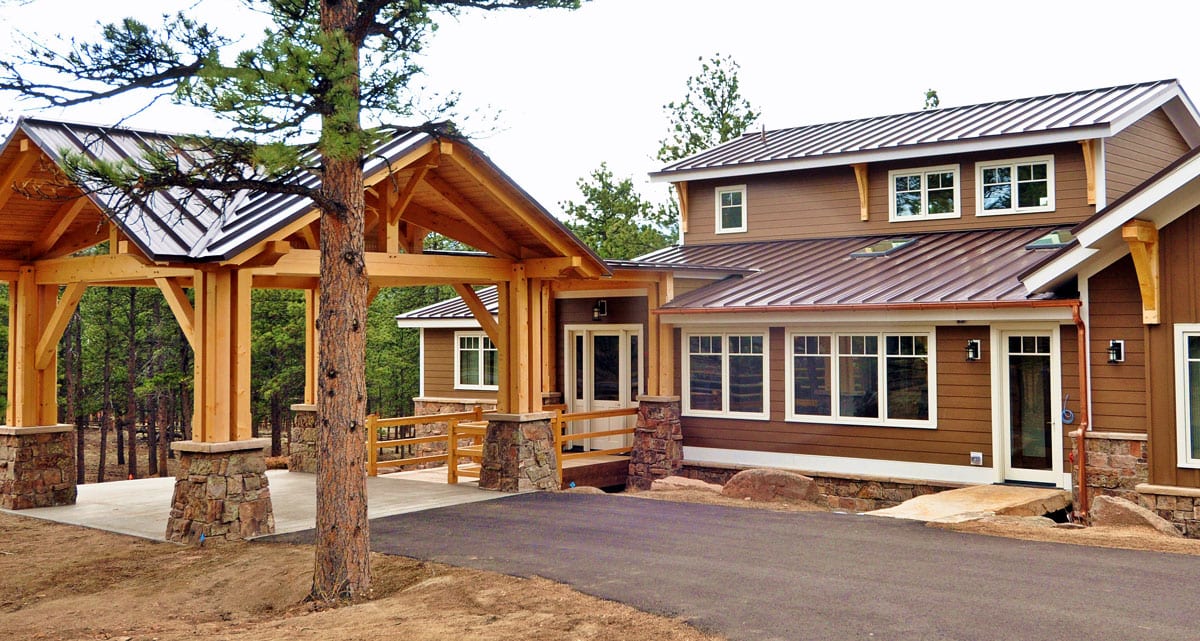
[106,396]
[276,425]
[71,360]
[342,568]
[130,384]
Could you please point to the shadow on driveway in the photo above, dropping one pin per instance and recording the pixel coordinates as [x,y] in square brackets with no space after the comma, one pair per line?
[756,574]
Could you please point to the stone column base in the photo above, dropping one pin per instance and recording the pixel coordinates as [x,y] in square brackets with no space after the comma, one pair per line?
[1116,464]
[302,441]
[518,453]
[221,492]
[37,466]
[657,442]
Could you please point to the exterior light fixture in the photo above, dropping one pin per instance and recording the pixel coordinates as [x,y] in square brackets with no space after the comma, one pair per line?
[600,309]
[1116,351]
[974,349]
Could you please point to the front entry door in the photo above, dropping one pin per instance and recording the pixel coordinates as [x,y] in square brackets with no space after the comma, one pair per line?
[1033,434]
[605,365]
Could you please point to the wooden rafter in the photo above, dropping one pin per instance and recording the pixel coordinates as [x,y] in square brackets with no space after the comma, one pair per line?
[479,310]
[48,342]
[18,170]
[62,219]
[180,306]
[498,239]
[400,197]
[1142,237]
[82,238]
[860,176]
[1089,166]
[432,220]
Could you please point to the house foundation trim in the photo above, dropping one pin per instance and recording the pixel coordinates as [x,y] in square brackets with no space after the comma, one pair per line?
[811,464]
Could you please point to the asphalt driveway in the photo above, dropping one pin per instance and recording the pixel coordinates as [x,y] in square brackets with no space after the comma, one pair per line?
[755,574]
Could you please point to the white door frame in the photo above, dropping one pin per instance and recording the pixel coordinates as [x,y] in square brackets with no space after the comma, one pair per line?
[570,383]
[1001,411]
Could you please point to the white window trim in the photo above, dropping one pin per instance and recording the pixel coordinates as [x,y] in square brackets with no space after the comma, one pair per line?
[458,384]
[923,171]
[1183,439]
[745,209]
[789,367]
[725,334]
[980,166]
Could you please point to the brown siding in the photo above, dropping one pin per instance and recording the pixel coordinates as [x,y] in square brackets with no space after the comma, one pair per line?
[685,285]
[1115,312]
[1180,265]
[823,203]
[964,416]
[1139,151]
[438,368]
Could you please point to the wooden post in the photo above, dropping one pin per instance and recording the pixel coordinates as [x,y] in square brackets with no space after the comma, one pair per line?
[666,340]
[372,450]
[653,325]
[452,451]
[549,365]
[222,364]
[519,340]
[32,398]
[503,353]
[537,338]
[311,301]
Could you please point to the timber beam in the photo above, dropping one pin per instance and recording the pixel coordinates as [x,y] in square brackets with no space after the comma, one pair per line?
[62,219]
[48,343]
[1142,237]
[498,241]
[180,306]
[106,268]
[415,268]
[480,311]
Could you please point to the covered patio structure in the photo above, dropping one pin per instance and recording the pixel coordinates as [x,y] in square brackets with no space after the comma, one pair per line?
[205,253]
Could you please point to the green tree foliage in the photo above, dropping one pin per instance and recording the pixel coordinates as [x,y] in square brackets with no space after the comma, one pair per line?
[712,112]
[319,68]
[615,220]
[931,99]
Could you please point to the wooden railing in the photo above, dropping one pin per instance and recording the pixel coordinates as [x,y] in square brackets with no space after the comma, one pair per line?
[460,424]
[559,426]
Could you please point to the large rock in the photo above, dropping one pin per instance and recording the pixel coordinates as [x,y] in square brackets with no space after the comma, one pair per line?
[684,483]
[1110,510]
[770,485]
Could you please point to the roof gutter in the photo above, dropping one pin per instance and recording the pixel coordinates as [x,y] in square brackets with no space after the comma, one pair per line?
[875,307]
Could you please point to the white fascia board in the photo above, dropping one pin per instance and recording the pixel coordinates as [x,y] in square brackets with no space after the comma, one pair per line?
[1184,116]
[1155,197]
[977,316]
[1054,272]
[1148,104]
[989,143]
[843,466]
[438,323]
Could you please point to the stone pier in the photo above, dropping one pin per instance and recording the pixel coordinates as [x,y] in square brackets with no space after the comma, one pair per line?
[657,441]
[221,492]
[518,453]
[37,466]
[302,441]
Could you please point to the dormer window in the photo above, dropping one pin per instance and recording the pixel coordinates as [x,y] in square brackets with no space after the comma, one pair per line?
[731,209]
[923,194]
[1020,186]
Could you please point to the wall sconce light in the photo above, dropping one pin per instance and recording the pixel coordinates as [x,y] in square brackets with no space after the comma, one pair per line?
[974,349]
[600,309]
[1116,351]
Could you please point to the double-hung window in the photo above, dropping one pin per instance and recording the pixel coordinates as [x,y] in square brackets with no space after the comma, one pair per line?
[923,194]
[1024,185]
[726,374]
[731,209]
[1187,393]
[860,378]
[475,361]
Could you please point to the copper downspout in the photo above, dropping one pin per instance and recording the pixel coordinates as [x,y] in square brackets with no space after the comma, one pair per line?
[1081,463]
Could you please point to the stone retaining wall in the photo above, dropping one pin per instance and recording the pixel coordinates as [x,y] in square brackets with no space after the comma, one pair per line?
[851,494]
[1116,464]
[37,466]
[1179,505]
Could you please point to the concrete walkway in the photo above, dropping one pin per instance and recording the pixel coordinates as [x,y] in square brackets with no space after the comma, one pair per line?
[967,503]
[141,507]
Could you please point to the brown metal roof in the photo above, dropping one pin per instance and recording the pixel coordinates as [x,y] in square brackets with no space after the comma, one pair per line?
[1072,113]
[940,269]
[453,308]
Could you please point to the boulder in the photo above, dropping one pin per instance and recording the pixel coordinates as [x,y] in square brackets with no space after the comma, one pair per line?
[684,483]
[584,489]
[1114,511]
[770,485]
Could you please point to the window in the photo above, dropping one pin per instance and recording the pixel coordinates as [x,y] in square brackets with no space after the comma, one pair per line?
[475,361]
[731,209]
[1054,240]
[883,247]
[1025,185]
[726,375]
[923,194]
[1187,393]
[861,378]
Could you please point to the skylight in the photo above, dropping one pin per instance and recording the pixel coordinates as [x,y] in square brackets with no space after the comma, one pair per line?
[1053,240]
[883,247]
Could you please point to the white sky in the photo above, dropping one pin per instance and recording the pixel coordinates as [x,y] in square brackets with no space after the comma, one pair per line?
[569,90]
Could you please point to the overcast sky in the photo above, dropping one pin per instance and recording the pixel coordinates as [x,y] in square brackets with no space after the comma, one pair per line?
[569,90]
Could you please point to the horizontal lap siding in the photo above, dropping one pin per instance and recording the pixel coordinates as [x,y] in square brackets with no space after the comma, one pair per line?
[1115,313]
[1139,151]
[823,203]
[438,368]
[1179,249]
[963,405]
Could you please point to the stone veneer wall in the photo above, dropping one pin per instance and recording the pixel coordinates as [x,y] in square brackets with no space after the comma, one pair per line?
[1116,464]
[37,466]
[851,494]
[657,441]
[518,453]
[222,495]
[1179,505]
[302,442]
[429,405]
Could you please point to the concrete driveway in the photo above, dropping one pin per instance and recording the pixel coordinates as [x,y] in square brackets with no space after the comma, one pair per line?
[755,574]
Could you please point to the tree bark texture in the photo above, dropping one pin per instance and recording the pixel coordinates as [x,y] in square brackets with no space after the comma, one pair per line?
[342,568]
[131,385]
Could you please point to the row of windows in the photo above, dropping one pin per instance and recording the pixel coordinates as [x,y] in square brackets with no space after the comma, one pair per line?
[857,378]
[1019,186]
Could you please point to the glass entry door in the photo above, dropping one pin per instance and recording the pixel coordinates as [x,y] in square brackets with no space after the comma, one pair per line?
[605,366]
[1032,447]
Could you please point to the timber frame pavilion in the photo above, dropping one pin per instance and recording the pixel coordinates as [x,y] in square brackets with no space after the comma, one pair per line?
[221,248]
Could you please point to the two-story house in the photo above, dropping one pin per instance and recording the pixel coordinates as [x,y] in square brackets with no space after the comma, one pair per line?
[924,299]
